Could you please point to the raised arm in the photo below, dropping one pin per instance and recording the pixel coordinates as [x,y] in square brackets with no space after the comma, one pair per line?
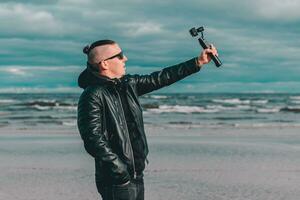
[165,77]
[169,75]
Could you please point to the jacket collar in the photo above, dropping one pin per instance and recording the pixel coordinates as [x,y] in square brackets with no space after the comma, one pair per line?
[90,76]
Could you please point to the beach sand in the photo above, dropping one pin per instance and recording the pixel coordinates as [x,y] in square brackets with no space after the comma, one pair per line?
[185,163]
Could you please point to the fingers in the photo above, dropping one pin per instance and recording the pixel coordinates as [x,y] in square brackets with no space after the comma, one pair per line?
[204,57]
[212,49]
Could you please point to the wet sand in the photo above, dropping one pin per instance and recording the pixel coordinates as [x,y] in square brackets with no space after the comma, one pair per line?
[225,164]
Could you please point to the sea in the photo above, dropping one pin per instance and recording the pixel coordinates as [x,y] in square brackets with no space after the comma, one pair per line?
[59,110]
[224,159]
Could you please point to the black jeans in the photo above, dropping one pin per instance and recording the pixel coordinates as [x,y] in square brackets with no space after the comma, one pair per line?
[132,191]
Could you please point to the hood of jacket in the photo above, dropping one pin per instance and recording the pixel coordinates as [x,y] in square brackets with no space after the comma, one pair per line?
[89,77]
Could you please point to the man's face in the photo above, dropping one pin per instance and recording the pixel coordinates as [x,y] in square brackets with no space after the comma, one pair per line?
[116,65]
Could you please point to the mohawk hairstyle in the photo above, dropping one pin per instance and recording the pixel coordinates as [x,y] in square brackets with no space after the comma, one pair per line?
[88,48]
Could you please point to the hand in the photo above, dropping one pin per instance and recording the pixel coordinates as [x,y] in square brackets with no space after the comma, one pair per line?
[124,184]
[204,57]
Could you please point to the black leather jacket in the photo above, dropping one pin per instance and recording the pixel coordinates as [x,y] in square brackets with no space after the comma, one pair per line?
[101,120]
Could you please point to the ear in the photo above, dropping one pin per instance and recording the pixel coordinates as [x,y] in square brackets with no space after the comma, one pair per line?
[103,65]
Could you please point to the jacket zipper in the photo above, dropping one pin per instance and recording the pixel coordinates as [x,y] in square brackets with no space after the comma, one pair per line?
[124,119]
[145,141]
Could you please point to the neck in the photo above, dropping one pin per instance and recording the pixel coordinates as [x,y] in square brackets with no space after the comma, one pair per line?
[108,74]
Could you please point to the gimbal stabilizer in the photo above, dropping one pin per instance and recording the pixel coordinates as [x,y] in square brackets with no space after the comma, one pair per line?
[194,32]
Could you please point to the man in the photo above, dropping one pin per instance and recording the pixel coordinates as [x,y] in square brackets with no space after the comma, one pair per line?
[110,117]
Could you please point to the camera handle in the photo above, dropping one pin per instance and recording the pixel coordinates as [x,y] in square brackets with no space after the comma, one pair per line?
[216,59]
[194,32]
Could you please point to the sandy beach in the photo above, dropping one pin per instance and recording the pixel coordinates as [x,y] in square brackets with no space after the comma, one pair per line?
[185,163]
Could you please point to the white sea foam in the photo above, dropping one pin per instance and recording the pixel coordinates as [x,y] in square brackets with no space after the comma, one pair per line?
[295,102]
[69,123]
[45,100]
[74,108]
[159,96]
[31,90]
[268,110]
[237,101]
[41,107]
[293,107]
[225,108]
[295,97]
[231,101]
[4,101]
[243,107]
[260,101]
[196,109]
[219,107]
[182,109]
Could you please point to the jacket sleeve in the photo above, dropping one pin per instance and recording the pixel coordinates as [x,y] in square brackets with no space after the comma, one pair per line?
[165,77]
[92,129]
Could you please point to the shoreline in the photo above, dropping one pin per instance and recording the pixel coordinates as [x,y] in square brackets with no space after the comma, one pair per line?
[157,130]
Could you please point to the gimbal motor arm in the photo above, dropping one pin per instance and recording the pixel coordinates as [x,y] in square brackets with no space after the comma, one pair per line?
[194,32]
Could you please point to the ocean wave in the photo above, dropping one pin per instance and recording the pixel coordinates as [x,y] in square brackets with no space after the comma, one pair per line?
[25,117]
[182,109]
[227,108]
[154,108]
[158,96]
[34,90]
[42,105]
[4,113]
[295,97]
[69,123]
[74,108]
[7,101]
[219,107]
[237,101]
[291,109]
[279,109]
[41,108]
[20,117]
[231,101]
[150,106]
[259,101]
[237,118]
[295,102]
[50,103]
[268,110]
[243,107]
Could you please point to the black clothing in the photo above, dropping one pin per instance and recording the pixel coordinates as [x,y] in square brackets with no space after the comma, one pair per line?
[131,191]
[112,129]
[137,145]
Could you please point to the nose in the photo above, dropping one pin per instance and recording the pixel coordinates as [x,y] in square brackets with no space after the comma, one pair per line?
[125,58]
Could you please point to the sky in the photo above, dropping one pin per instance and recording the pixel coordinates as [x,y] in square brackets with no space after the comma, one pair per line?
[258,42]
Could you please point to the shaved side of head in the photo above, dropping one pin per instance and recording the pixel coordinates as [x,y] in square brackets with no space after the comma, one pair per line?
[97,54]
[96,51]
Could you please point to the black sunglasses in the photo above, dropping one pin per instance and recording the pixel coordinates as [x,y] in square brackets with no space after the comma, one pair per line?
[119,55]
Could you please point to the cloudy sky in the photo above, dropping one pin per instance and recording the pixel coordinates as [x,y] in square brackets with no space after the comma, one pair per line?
[258,41]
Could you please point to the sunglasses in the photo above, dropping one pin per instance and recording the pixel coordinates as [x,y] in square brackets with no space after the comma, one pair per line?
[119,55]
